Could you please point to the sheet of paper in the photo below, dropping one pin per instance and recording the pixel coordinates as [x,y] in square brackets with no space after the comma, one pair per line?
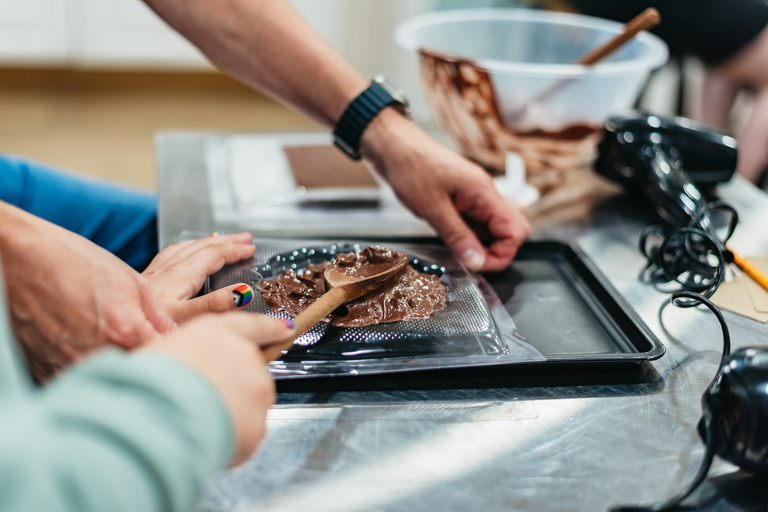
[757,293]
[733,296]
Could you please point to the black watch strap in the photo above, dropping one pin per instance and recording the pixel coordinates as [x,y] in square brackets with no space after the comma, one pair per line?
[359,114]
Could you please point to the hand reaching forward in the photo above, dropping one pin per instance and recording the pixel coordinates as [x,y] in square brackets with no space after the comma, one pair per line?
[224,349]
[483,229]
[179,271]
[68,296]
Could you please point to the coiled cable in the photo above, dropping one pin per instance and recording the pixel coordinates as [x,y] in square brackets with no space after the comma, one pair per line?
[686,299]
[693,256]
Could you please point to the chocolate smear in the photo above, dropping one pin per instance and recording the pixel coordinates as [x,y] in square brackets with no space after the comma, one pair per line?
[408,295]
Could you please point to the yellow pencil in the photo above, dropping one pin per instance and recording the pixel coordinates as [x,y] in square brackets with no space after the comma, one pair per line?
[750,269]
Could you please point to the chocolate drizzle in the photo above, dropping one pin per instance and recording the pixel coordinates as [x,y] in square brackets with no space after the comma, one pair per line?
[462,99]
[410,294]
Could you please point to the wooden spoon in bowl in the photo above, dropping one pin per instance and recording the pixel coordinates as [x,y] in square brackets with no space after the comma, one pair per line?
[342,288]
[646,20]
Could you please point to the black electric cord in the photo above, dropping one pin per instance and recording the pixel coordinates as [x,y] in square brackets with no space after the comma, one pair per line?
[695,300]
[687,299]
[693,256]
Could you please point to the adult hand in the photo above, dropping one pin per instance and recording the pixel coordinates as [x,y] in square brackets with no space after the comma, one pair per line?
[225,350]
[68,296]
[179,271]
[483,229]
[435,183]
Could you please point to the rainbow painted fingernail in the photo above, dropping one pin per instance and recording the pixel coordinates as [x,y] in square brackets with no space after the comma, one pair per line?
[242,295]
[289,323]
[216,233]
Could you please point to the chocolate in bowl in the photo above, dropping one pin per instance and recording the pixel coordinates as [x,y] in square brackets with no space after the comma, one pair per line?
[462,98]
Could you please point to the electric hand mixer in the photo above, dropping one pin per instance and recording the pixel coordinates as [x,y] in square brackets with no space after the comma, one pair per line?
[668,162]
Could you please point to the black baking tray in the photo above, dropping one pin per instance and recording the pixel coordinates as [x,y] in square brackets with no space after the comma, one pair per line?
[566,308]
[563,305]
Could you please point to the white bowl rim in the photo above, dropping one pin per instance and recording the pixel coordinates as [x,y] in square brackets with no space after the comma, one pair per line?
[655,58]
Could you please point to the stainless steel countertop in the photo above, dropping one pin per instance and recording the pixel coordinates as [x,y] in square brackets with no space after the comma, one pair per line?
[535,446]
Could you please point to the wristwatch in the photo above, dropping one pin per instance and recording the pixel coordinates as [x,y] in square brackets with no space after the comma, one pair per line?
[361,112]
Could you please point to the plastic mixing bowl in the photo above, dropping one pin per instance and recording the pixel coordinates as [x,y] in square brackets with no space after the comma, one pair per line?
[503,80]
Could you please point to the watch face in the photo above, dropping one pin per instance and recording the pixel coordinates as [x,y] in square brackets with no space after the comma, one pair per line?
[397,94]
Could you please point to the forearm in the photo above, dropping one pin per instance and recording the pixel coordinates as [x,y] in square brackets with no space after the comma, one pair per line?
[268,46]
[122,432]
[15,228]
[16,240]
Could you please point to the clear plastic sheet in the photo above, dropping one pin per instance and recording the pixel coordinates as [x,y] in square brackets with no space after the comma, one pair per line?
[474,329]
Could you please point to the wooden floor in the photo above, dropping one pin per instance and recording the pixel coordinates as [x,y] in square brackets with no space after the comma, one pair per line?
[103,124]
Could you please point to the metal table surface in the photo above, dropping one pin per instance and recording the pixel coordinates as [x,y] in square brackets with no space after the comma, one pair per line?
[533,444]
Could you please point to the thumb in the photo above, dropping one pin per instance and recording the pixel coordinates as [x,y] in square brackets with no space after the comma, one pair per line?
[459,237]
[159,320]
[260,329]
[225,299]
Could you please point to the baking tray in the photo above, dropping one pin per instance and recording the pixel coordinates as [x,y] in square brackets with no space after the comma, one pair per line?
[561,304]
[566,308]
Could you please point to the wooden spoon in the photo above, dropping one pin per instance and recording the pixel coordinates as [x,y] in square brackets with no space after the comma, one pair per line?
[647,19]
[342,288]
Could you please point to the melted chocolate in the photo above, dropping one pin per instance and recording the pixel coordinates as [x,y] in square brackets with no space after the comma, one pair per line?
[409,294]
[571,132]
[463,101]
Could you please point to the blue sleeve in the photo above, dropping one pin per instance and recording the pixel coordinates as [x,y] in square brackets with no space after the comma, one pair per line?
[119,432]
[120,219]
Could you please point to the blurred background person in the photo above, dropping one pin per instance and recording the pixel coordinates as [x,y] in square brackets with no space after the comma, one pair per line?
[731,39]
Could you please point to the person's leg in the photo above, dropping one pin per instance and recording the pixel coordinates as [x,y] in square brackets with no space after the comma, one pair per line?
[717,97]
[749,68]
[753,141]
[120,220]
[731,37]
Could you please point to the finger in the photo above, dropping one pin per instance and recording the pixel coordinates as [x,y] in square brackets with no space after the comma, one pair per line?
[183,279]
[521,227]
[457,235]
[225,299]
[166,254]
[238,238]
[130,323]
[156,316]
[259,329]
[209,259]
[499,222]
[129,331]
[178,252]
[507,228]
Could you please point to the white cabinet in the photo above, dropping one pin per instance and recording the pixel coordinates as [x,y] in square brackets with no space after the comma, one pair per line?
[34,31]
[91,34]
[126,33]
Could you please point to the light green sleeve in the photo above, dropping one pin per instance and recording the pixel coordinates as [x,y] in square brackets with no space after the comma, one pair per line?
[139,432]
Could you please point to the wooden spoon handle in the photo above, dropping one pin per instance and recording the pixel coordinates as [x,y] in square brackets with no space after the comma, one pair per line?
[307,319]
[649,18]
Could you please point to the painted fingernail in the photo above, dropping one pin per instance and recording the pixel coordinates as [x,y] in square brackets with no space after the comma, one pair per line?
[246,238]
[289,323]
[242,295]
[216,233]
[473,259]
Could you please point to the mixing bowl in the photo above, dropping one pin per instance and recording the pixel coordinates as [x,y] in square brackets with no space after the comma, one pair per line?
[503,80]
